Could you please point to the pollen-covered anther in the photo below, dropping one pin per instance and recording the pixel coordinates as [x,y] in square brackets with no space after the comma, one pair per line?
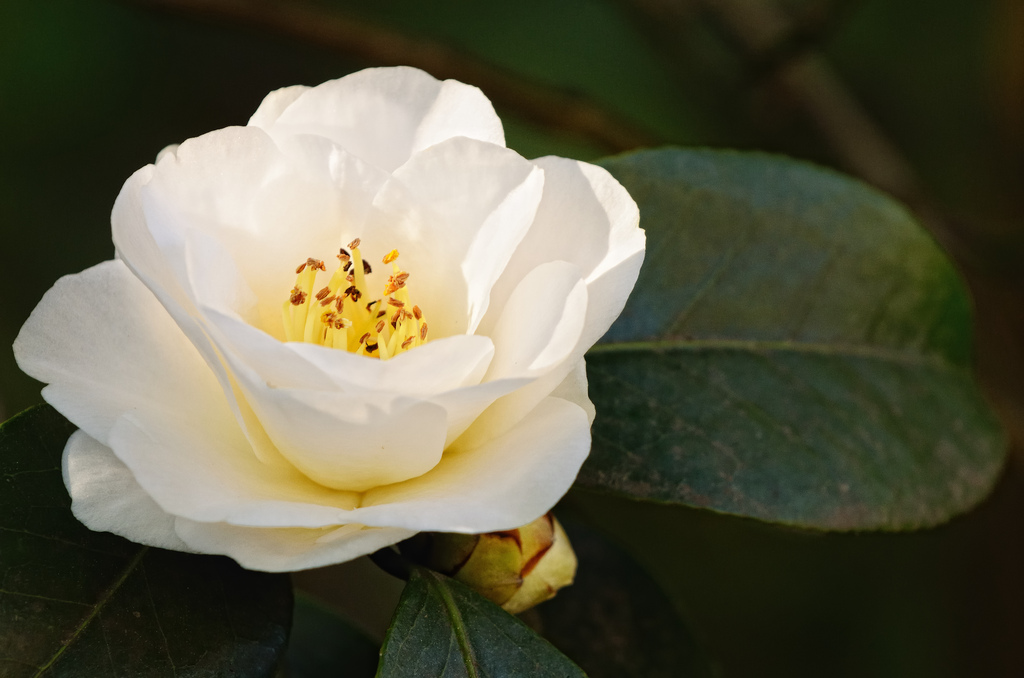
[396,282]
[362,328]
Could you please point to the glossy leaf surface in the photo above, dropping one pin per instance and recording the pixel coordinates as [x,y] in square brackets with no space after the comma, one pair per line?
[796,350]
[442,629]
[79,603]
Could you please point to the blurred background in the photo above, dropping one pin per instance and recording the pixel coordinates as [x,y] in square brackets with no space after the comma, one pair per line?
[923,98]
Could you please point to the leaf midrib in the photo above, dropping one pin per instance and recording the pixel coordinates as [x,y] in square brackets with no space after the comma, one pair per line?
[100,604]
[458,624]
[837,350]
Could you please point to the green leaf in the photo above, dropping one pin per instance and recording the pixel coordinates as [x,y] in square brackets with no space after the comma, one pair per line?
[614,619]
[79,603]
[443,629]
[324,645]
[796,350]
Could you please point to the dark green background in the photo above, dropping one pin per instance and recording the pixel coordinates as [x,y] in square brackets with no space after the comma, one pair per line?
[90,90]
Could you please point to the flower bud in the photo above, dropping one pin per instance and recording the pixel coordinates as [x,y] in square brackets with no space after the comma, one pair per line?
[516,569]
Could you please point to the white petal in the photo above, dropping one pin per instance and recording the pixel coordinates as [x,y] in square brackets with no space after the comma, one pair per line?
[435,367]
[537,336]
[574,389]
[287,549]
[105,496]
[459,210]
[540,324]
[106,347]
[506,483]
[208,477]
[352,442]
[274,104]
[587,218]
[385,115]
[247,212]
[159,263]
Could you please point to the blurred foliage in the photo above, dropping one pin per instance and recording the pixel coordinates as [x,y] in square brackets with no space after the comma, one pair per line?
[925,98]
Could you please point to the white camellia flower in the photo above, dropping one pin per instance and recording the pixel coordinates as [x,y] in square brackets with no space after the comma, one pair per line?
[421,370]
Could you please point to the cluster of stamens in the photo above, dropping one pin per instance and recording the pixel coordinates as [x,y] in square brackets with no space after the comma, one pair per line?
[339,315]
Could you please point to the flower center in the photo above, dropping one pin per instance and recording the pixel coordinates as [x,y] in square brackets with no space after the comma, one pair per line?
[341,315]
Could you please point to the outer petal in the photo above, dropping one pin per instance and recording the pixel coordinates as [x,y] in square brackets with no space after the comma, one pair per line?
[274,104]
[203,477]
[536,339]
[503,484]
[287,549]
[461,208]
[385,115]
[574,389]
[106,346]
[106,498]
[587,218]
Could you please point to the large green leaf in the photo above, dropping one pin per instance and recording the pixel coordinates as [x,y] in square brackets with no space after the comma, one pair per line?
[442,629]
[80,603]
[796,350]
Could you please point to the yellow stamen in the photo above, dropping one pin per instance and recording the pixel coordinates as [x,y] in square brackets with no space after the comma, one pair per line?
[375,327]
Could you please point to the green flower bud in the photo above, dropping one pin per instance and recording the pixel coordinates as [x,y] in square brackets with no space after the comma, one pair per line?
[516,569]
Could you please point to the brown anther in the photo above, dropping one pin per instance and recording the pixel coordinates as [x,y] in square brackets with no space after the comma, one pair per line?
[339,303]
[380,326]
[347,266]
[381,314]
[366,267]
[328,300]
[395,318]
[423,332]
[298,297]
[407,315]
[344,255]
[405,344]
[356,294]
[335,320]
[350,277]
[362,339]
[390,256]
[370,348]
[315,263]
[396,303]
[301,268]
[354,244]
[417,312]
[396,282]
[370,305]
[323,293]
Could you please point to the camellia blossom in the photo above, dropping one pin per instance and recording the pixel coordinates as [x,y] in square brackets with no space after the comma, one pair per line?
[356,318]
